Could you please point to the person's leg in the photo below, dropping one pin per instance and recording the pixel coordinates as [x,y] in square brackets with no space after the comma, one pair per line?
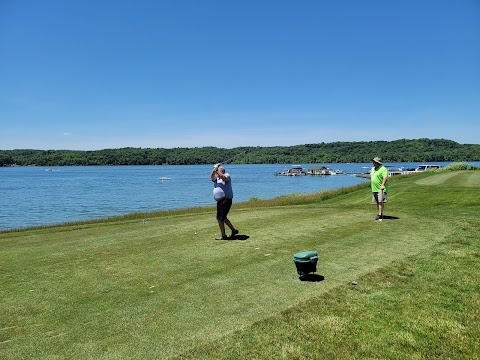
[228,205]
[221,217]
[382,198]
[378,201]
[230,225]
[379,208]
[221,225]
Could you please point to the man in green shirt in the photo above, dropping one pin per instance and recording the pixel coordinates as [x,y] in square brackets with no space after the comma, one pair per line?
[378,178]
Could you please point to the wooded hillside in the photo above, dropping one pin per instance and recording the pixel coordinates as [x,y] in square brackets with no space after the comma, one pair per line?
[403,150]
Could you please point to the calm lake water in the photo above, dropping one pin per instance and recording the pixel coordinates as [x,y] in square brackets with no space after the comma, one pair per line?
[42,196]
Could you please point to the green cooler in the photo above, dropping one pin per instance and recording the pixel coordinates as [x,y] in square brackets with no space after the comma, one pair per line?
[306,262]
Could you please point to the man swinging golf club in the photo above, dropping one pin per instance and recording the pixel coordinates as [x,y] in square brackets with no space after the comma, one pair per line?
[378,178]
[223,195]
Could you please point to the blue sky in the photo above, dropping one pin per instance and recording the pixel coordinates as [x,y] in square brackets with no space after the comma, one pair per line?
[102,74]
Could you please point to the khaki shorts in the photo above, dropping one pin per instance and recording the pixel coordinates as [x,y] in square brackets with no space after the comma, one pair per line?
[377,197]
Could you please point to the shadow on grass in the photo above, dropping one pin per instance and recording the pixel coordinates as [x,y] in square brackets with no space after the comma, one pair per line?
[387,217]
[238,237]
[312,278]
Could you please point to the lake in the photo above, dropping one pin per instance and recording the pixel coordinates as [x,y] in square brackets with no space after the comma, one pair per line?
[33,196]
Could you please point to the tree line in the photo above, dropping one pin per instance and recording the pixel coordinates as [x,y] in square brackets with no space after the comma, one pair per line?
[403,150]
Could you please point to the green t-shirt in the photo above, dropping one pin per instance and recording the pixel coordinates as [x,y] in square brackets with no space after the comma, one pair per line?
[377,177]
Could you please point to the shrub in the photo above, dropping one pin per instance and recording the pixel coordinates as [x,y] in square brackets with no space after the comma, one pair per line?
[461,166]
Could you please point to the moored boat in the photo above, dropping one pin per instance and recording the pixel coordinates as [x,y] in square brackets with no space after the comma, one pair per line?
[295,170]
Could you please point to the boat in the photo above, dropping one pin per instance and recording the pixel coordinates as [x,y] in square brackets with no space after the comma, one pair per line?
[164,178]
[319,170]
[425,167]
[419,168]
[323,170]
[295,170]
[391,171]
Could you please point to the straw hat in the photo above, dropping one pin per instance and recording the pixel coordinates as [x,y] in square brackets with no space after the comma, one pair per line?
[377,160]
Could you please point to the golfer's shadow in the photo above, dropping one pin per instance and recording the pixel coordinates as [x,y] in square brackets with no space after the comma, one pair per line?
[312,278]
[386,217]
[239,237]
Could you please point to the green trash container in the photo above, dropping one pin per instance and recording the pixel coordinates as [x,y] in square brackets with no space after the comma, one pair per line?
[306,262]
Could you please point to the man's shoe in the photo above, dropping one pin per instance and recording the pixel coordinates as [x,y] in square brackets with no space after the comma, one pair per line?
[234,232]
[221,238]
[378,217]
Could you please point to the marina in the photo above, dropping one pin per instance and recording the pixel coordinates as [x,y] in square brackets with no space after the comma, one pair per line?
[321,170]
[298,170]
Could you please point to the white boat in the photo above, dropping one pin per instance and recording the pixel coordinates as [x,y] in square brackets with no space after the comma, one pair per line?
[425,167]
[323,170]
[295,170]
[419,168]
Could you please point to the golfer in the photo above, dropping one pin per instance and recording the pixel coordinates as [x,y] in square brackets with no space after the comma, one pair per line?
[378,178]
[223,194]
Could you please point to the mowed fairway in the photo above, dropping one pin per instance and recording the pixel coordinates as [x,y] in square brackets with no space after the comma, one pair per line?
[165,288]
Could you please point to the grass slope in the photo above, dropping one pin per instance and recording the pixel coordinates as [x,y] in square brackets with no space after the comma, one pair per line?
[129,289]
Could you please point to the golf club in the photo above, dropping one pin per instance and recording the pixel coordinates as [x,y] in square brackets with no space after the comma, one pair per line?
[383,203]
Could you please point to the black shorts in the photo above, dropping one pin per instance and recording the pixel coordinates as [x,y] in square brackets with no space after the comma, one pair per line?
[223,207]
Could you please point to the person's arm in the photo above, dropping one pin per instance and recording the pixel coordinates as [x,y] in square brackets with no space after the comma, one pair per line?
[384,181]
[382,187]
[215,173]
[222,176]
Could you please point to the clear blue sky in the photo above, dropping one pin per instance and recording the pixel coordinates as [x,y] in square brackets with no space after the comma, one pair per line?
[185,73]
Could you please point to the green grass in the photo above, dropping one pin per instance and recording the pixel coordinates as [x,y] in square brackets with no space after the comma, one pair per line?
[123,288]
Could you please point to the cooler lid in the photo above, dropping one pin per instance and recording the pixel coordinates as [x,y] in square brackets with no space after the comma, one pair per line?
[306,255]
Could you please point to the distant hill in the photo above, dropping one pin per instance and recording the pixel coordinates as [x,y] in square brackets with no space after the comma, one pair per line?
[403,150]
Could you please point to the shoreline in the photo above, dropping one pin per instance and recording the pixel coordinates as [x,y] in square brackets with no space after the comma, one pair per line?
[282,200]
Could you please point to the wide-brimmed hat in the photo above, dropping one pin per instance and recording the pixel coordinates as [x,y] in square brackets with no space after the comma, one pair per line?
[377,160]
